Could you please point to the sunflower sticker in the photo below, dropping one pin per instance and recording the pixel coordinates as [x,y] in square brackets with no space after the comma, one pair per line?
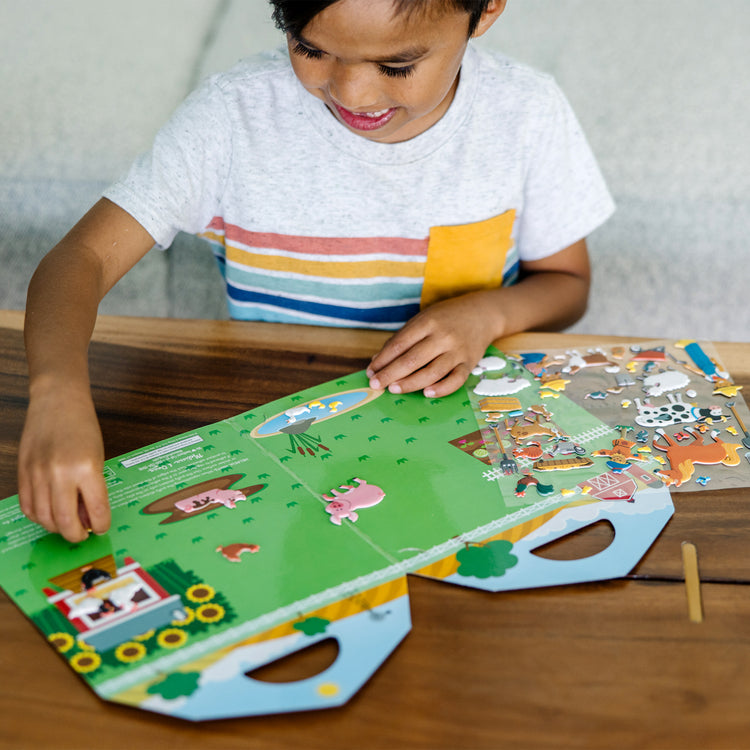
[62,642]
[200,592]
[171,638]
[130,651]
[210,612]
[85,662]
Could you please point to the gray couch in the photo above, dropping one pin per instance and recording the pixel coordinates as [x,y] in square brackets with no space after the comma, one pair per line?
[659,85]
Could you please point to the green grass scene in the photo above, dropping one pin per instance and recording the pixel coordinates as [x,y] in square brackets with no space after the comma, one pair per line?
[275,551]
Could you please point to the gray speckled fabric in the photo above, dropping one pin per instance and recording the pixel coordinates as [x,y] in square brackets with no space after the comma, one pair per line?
[659,86]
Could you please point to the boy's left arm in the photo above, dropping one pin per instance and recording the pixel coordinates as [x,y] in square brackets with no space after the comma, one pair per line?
[438,348]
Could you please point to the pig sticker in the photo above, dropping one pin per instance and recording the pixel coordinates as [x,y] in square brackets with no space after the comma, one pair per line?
[346,504]
[227,498]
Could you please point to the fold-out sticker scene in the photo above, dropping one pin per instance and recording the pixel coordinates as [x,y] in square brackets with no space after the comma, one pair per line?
[244,541]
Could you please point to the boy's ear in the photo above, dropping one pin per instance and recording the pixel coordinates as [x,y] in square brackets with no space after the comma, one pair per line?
[491,14]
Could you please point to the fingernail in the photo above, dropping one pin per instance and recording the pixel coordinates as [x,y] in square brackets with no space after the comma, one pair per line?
[395,388]
[429,392]
[375,384]
[369,372]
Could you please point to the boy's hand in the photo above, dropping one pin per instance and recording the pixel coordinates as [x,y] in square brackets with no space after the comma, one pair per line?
[61,457]
[437,349]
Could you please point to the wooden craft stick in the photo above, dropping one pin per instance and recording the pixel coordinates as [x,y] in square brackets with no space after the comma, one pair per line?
[692,581]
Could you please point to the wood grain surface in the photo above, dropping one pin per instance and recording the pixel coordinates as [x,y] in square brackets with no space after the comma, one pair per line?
[610,665]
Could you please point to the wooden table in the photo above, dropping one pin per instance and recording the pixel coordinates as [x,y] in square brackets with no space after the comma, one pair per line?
[607,665]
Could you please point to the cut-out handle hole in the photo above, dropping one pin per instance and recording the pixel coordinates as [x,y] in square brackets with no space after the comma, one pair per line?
[579,544]
[301,665]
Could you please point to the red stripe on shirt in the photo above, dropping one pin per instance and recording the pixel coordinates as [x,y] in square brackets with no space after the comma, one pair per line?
[321,245]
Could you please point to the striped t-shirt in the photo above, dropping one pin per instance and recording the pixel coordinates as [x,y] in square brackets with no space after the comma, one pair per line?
[312,223]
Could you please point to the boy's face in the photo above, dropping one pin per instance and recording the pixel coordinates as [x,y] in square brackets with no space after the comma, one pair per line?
[385,77]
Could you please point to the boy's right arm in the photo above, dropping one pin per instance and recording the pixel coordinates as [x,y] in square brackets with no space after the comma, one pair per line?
[61,455]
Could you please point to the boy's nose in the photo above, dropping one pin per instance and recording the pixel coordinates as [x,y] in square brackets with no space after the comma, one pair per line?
[352,87]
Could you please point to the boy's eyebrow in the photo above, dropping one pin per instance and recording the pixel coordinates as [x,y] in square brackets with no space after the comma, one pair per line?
[408,55]
[405,56]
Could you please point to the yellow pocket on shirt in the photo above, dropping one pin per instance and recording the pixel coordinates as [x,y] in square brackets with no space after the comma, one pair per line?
[466,257]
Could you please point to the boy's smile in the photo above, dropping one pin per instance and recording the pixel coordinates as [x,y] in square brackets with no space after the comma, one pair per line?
[387,77]
[366,120]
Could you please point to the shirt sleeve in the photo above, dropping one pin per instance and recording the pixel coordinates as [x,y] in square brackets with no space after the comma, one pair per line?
[178,184]
[565,195]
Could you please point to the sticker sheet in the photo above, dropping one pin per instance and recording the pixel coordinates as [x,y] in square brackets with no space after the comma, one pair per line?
[296,522]
[672,400]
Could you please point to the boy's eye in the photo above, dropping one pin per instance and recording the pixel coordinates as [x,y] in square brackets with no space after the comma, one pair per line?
[305,51]
[315,54]
[402,72]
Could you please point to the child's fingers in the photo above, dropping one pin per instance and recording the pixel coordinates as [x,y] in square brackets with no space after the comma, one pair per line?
[83,515]
[397,371]
[82,506]
[66,518]
[42,508]
[439,378]
[397,346]
[449,384]
[95,502]
[26,497]
[35,495]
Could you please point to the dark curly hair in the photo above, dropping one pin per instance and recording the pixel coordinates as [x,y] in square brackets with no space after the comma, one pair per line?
[291,16]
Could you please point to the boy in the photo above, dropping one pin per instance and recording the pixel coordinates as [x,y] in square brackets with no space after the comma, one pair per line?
[391,177]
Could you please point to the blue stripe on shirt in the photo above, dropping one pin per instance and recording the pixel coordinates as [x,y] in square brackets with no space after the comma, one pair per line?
[399,313]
